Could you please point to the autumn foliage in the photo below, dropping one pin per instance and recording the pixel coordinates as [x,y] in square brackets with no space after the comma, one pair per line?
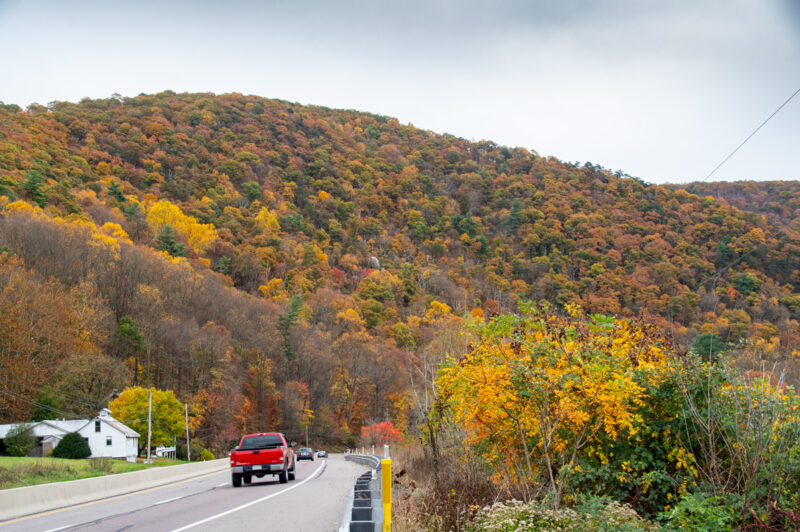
[561,408]
[380,434]
[288,267]
[540,389]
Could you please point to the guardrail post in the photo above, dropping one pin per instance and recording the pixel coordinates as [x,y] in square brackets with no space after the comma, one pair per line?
[386,493]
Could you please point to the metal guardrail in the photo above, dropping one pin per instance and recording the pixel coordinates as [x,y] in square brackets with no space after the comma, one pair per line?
[369,508]
[369,460]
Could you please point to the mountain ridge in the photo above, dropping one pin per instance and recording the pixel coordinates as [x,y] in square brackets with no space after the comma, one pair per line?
[290,203]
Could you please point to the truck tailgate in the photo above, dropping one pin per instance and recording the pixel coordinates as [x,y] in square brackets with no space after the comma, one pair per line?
[258,456]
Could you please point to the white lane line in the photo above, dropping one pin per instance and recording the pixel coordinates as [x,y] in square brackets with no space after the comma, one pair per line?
[59,528]
[169,500]
[223,484]
[262,499]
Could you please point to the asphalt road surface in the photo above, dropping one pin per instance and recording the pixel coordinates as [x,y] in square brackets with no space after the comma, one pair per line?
[314,501]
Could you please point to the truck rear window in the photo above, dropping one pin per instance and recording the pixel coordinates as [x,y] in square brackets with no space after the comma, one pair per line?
[261,442]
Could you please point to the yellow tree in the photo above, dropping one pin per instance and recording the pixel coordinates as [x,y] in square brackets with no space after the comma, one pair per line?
[167,415]
[541,386]
[198,235]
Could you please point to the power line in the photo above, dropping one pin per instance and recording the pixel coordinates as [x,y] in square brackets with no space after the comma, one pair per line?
[40,405]
[751,134]
[23,382]
[720,270]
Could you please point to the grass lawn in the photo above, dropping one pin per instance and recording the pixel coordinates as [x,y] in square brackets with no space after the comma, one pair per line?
[25,471]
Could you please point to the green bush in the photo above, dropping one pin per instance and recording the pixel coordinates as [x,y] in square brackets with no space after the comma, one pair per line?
[197,451]
[745,434]
[20,440]
[206,455]
[640,470]
[708,345]
[72,446]
[701,512]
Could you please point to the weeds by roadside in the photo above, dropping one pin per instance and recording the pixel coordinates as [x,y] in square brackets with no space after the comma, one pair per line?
[27,471]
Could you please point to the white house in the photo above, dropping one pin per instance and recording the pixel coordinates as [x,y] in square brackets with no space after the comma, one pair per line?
[107,437]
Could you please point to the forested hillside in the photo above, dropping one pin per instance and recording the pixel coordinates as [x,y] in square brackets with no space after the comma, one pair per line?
[280,265]
[778,201]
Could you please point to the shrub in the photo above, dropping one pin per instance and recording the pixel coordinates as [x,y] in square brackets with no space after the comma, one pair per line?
[72,446]
[594,513]
[542,387]
[197,451]
[442,491]
[744,433]
[701,512]
[647,469]
[20,440]
[206,455]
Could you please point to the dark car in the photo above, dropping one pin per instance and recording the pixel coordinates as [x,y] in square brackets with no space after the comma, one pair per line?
[304,453]
[322,454]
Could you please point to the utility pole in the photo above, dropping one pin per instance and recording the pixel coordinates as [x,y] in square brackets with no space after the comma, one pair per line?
[188,449]
[149,423]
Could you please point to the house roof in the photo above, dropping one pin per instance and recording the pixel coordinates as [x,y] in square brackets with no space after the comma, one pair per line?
[4,429]
[120,426]
[66,425]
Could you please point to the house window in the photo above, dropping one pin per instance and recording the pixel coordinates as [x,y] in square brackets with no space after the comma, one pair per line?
[108,440]
[97,425]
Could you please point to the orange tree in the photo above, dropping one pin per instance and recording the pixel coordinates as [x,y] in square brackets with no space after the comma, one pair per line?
[380,433]
[541,389]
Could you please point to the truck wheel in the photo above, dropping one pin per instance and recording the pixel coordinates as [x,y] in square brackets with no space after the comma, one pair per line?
[291,473]
[282,477]
[236,480]
[248,478]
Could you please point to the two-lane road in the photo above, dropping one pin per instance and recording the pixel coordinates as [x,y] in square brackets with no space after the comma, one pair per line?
[315,501]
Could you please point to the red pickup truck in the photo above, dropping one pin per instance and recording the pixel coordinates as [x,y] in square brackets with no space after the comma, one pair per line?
[265,453]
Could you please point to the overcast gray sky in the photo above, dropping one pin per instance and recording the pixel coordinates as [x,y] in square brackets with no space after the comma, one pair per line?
[661,90]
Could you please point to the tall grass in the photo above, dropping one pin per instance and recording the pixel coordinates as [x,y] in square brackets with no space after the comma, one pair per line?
[441,497]
[27,471]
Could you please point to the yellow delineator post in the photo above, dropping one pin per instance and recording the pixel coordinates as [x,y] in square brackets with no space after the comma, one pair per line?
[386,493]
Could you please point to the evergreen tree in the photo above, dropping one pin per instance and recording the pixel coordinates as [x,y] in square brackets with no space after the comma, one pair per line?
[129,343]
[708,345]
[131,210]
[285,322]
[115,192]
[166,242]
[33,187]
[46,403]
[514,220]
[224,265]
